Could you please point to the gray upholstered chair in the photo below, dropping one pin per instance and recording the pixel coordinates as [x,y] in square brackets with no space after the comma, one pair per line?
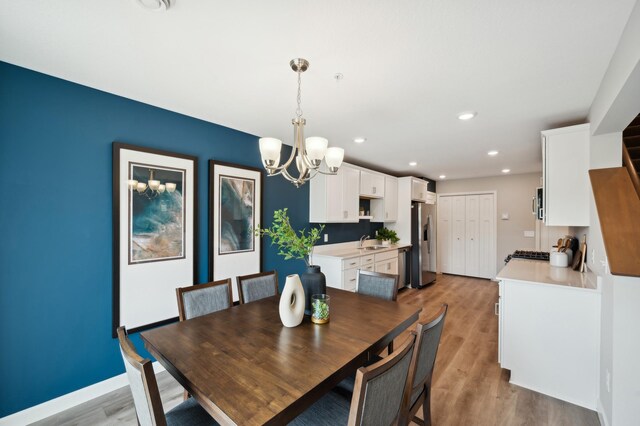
[202,299]
[379,397]
[146,396]
[421,372]
[257,286]
[377,284]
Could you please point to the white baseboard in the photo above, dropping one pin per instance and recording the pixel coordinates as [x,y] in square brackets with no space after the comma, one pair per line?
[602,415]
[70,400]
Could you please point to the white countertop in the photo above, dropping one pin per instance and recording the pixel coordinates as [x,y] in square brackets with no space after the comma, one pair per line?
[350,249]
[541,272]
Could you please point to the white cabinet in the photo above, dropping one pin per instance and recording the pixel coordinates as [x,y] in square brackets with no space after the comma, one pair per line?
[387,262]
[335,198]
[565,173]
[372,184]
[419,190]
[386,208]
[467,235]
[431,197]
[548,336]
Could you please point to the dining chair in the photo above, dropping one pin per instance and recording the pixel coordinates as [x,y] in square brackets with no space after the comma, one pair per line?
[421,371]
[257,286]
[379,396]
[377,284]
[146,396]
[202,299]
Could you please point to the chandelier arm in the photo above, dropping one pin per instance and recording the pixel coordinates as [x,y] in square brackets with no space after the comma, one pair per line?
[326,173]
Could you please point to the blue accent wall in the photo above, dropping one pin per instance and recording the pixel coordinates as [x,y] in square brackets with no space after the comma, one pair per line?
[55,223]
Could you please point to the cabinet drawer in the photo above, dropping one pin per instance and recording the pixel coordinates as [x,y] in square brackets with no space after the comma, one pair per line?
[349,279]
[367,268]
[350,263]
[367,260]
[391,254]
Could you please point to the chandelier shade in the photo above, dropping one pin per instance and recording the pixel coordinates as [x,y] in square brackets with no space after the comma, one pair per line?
[308,153]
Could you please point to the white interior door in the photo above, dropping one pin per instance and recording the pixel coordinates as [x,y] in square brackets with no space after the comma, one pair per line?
[472,260]
[445,234]
[458,209]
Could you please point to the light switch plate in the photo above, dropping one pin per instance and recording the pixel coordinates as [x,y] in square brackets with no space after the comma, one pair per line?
[326,238]
[529,234]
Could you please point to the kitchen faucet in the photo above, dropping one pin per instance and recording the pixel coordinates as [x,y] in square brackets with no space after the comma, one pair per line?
[363,239]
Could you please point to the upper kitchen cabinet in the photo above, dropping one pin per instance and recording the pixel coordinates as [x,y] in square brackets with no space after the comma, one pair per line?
[372,185]
[335,198]
[419,190]
[386,209]
[565,175]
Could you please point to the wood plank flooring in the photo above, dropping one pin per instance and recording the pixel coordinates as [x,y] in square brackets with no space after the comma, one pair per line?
[469,387]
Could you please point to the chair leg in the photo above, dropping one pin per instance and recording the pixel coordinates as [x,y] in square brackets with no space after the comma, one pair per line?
[390,348]
[186,395]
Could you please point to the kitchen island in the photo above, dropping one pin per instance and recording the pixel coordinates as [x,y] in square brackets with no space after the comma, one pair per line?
[549,330]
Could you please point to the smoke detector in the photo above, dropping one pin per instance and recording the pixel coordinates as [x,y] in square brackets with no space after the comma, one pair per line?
[155,5]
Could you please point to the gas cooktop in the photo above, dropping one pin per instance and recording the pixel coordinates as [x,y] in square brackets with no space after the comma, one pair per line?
[528,254]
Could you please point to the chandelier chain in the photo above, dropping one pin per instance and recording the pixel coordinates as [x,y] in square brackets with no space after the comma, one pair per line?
[299,109]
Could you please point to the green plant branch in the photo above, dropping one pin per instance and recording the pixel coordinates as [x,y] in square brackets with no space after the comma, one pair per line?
[291,244]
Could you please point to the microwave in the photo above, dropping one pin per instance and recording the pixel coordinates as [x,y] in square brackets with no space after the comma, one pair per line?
[537,206]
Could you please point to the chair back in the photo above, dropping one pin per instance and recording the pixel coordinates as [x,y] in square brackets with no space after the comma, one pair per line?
[142,381]
[377,284]
[202,299]
[257,286]
[424,357]
[379,395]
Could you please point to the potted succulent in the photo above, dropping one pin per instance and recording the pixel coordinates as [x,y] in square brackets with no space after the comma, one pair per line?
[297,245]
[387,236]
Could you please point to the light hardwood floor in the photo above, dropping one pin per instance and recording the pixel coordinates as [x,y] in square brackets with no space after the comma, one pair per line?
[469,387]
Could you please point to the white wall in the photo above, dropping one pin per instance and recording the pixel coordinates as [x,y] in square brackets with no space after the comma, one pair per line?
[616,103]
[514,195]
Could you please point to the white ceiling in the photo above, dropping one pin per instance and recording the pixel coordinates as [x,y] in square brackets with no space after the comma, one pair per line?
[409,68]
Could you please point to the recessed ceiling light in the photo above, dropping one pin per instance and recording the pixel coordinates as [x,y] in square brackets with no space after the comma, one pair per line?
[359,140]
[442,176]
[506,170]
[413,163]
[492,153]
[466,115]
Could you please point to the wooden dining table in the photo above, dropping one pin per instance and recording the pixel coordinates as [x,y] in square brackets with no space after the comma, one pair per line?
[245,368]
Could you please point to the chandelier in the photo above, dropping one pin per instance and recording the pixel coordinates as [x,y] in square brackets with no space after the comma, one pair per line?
[152,188]
[308,153]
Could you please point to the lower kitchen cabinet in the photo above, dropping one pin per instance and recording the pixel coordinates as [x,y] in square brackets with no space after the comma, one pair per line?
[548,336]
[343,272]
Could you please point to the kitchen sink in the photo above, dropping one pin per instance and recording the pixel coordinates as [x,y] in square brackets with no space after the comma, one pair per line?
[373,248]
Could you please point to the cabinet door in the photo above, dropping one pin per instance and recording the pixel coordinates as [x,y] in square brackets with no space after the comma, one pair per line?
[350,194]
[365,183]
[566,176]
[458,211]
[390,199]
[486,241]
[333,193]
[389,266]
[445,234]
[418,190]
[472,265]
[377,185]
[349,279]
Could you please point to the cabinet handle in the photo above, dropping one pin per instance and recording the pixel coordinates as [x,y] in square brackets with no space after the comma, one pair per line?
[472,239]
[352,280]
[374,189]
[388,266]
[496,309]
[421,196]
[352,263]
[345,214]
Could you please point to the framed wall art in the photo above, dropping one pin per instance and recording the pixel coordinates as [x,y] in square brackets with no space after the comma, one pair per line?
[235,209]
[154,234]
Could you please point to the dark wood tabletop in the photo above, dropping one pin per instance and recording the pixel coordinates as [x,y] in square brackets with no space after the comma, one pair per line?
[246,368]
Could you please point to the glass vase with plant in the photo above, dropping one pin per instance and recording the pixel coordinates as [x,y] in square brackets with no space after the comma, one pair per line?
[387,236]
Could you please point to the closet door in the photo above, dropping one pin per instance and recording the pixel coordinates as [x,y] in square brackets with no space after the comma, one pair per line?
[472,260]
[445,234]
[458,213]
[486,239]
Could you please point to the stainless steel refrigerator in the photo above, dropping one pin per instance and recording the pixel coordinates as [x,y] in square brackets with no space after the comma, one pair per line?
[423,244]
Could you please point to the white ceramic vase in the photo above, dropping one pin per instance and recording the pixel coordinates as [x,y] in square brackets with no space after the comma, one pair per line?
[292,302]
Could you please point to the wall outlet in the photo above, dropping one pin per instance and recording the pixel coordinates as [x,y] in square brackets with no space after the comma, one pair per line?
[529,234]
[505,216]
[326,238]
